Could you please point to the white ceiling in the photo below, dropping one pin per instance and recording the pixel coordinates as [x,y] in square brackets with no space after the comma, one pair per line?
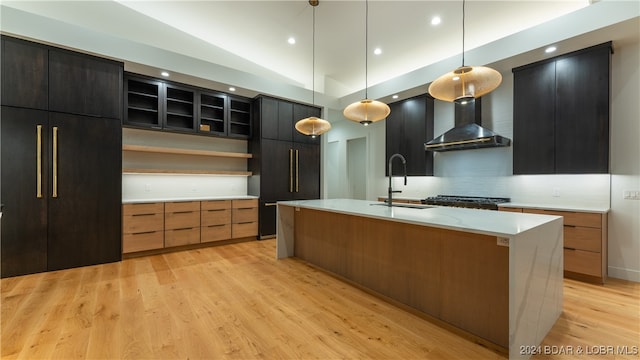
[251,36]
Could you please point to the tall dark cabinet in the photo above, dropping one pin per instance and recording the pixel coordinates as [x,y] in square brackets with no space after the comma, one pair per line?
[285,163]
[408,126]
[561,114]
[61,159]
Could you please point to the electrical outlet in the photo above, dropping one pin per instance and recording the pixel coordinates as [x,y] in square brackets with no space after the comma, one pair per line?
[631,195]
[503,242]
[555,192]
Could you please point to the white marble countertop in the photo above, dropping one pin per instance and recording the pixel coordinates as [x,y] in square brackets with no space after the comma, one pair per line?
[488,222]
[195,198]
[575,208]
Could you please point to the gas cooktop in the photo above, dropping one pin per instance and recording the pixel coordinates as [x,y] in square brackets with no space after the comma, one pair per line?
[475,202]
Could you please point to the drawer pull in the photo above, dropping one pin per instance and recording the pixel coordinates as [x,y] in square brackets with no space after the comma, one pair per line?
[213,210]
[142,214]
[246,222]
[270,204]
[182,229]
[568,248]
[569,226]
[216,225]
[246,208]
[182,212]
[144,232]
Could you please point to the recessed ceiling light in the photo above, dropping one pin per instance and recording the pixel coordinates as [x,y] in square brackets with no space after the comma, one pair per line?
[291,40]
[377,51]
[436,20]
[550,49]
[165,74]
[231,88]
[395,96]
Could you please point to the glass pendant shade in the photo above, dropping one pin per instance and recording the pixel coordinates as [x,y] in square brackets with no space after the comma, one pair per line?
[313,126]
[464,83]
[367,111]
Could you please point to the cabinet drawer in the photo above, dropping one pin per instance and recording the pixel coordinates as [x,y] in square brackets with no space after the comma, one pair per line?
[182,206]
[142,241]
[243,215]
[132,224]
[593,220]
[215,233]
[244,230]
[215,217]
[142,208]
[583,262]
[215,205]
[181,237]
[583,238]
[181,220]
[245,203]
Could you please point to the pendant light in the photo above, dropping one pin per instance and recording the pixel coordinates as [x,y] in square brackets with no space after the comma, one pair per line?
[313,126]
[465,82]
[366,110]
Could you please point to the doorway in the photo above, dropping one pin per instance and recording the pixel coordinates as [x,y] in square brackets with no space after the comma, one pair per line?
[357,168]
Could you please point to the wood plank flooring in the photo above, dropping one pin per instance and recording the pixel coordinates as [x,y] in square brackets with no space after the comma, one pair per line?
[237,302]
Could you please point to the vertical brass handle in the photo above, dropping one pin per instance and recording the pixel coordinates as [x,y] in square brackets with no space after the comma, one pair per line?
[297,172]
[39,161]
[55,162]
[290,170]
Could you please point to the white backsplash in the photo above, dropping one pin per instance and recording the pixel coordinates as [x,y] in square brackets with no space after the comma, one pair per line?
[177,186]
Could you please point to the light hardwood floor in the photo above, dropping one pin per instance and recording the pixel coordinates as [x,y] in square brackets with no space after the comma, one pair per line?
[236,301]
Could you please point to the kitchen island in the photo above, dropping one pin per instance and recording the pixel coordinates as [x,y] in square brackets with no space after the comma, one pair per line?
[494,276]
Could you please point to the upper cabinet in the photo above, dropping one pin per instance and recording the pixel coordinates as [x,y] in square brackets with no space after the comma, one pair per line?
[35,76]
[278,118]
[561,114]
[162,105]
[408,126]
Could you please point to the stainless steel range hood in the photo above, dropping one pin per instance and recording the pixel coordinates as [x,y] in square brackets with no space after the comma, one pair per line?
[467,133]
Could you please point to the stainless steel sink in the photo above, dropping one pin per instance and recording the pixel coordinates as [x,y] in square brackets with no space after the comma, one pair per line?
[404,206]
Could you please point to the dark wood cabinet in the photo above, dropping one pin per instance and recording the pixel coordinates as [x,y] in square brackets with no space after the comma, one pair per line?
[561,114]
[25,74]
[25,189]
[62,169]
[179,108]
[283,168]
[408,127]
[239,117]
[84,85]
[162,105]
[143,103]
[84,217]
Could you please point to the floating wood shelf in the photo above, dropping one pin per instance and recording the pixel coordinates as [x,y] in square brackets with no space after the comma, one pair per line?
[168,150]
[185,171]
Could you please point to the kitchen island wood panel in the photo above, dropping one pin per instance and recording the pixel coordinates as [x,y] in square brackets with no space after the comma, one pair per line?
[495,277]
[443,273]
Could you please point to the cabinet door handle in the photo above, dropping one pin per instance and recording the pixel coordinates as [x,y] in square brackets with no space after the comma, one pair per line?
[270,204]
[297,172]
[54,193]
[39,161]
[290,170]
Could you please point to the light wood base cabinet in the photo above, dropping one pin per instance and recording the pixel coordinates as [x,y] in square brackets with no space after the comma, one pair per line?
[245,218]
[151,226]
[215,220]
[585,242]
[143,227]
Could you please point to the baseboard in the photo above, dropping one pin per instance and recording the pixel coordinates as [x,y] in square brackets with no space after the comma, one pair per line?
[624,274]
